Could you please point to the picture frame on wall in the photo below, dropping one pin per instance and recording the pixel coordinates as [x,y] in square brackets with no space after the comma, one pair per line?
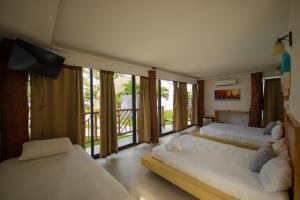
[228,95]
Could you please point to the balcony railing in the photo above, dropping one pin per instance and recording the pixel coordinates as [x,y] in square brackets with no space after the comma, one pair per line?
[124,122]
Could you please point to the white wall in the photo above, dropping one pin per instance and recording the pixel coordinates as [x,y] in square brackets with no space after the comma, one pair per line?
[294,108]
[28,19]
[210,104]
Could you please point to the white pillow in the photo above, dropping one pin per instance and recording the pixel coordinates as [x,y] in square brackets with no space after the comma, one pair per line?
[281,149]
[43,148]
[277,132]
[173,144]
[276,175]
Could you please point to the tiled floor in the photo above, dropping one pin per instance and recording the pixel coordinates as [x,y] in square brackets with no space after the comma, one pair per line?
[139,181]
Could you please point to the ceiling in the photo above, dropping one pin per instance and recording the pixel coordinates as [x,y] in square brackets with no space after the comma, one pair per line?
[199,38]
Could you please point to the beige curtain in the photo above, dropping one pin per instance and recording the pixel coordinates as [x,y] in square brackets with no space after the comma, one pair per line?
[180,106]
[184,104]
[176,106]
[195,113]
[273,101]
[144,117]
[108,127]
[57,108]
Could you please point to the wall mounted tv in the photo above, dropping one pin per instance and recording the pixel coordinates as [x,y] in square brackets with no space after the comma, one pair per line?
[33,59]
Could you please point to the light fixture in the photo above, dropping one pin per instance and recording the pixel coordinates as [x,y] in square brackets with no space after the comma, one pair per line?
[279,48]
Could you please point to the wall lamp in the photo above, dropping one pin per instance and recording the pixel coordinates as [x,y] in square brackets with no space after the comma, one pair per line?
[279,48]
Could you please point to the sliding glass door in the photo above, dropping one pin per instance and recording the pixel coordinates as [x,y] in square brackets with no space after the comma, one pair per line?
[125,88]
[126,109]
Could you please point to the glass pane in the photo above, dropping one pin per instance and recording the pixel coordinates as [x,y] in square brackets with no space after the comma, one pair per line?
[167,91]
[190,96]
[123,89]
[87,108]
[137,94]
[96,109]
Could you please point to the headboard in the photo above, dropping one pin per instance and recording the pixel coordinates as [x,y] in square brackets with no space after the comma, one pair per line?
[292,134]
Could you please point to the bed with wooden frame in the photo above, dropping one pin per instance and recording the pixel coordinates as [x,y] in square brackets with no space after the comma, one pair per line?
[204,191]
[233,141]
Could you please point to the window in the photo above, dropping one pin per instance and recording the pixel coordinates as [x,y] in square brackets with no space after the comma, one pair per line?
[165,102]
[125,89]
[91,85]
[126,96]
[190,100]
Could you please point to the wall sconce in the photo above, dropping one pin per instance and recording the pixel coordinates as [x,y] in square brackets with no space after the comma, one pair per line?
[279,48]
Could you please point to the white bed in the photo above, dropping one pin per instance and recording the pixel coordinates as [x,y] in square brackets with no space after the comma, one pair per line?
[69,176]
[241,134]
[221,166]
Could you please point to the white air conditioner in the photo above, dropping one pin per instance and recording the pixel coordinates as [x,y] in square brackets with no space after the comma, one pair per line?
[226,82]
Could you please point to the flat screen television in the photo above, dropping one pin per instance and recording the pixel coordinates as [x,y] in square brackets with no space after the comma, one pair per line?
[33,59]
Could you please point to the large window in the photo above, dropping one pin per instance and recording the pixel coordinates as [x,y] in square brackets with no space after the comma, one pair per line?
[165,95]
[91,85]
[126,95]
[125,89]
[190,99]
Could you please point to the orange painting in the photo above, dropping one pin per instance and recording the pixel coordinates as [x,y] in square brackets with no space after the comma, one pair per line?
[232,94]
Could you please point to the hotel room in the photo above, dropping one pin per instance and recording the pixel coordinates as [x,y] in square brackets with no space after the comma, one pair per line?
[149,100]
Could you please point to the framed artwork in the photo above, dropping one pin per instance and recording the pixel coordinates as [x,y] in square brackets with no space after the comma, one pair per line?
[231,94]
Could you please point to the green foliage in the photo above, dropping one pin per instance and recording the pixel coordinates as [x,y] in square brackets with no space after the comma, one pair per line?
[168,117]
[164,92]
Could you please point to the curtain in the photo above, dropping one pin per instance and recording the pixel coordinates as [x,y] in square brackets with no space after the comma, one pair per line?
[184,104]
[195,114]
[57,107]
[180,105]
[144,118]
[257,101]
[273,101]
[176,106]
[153,106]
[13,106]
[108,126]
[200,84]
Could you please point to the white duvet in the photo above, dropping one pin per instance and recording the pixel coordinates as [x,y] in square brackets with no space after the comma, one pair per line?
[69,176]
[237,133]
[221,166]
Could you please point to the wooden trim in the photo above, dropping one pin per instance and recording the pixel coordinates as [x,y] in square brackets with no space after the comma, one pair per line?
[228,111]
[188,183]
[153,107]
[292,134]
[231,142]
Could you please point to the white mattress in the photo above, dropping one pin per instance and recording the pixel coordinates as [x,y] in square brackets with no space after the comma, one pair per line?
[236,133]
[70,176]
[221,166]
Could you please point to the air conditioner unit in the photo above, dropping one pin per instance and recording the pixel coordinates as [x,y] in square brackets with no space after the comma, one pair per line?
[226,82]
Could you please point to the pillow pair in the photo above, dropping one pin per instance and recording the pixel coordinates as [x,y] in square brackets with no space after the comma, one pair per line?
[273,164]
[274,129]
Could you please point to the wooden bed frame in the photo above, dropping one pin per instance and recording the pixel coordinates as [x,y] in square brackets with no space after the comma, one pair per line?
[203,191]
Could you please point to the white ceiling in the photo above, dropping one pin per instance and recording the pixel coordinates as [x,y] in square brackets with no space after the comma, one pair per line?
[199,38]
[196,37]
